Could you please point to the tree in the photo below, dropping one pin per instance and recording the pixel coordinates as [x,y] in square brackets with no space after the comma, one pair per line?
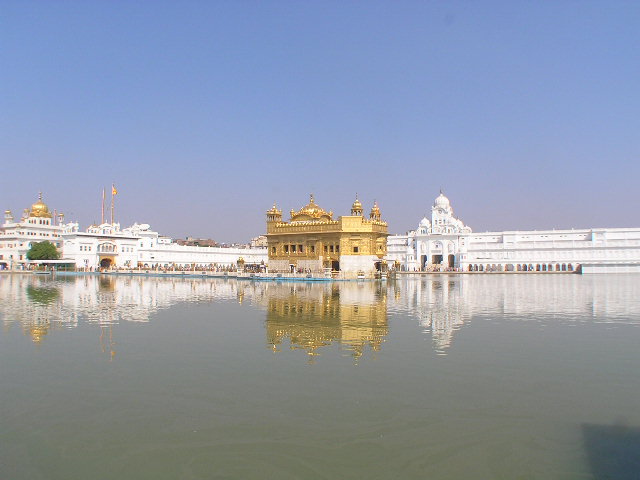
[43,251]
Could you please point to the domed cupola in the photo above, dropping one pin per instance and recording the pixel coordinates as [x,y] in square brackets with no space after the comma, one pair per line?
[356,208]
[375,212]
[311,212]
[40,209]
[442,201]
[425,222]
[274,214]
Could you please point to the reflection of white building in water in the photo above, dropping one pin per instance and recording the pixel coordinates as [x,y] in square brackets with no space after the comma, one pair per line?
[443,304]
[444,242]
[39,305]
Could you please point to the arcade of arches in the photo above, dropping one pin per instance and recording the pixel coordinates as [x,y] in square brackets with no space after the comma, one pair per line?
[524,267]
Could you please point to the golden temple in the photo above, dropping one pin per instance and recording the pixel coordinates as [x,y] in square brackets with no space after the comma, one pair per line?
[312,241]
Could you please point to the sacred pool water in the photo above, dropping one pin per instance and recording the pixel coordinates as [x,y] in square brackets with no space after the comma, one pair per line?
[439,377]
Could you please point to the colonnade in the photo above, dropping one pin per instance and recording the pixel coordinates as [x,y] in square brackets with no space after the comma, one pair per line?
[522,267]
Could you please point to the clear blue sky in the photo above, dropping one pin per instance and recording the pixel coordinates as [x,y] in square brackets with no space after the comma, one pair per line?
[527,114]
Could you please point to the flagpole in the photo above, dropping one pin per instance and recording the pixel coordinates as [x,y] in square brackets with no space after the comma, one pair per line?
[112,195]
[102,206]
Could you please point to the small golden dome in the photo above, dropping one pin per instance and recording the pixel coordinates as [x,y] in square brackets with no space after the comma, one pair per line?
[40,209]
[375,212]
[311,211]
[356,207]
[274,210]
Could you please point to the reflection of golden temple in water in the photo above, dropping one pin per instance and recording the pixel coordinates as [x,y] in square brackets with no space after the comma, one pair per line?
[313,316]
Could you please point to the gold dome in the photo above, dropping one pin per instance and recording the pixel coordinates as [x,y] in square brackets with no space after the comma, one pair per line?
[274,210]
[310,212]
[356,207]
[375,212]
[357,204]
[40,209]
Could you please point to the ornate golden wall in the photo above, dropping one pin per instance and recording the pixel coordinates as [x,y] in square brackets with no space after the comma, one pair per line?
[313,237]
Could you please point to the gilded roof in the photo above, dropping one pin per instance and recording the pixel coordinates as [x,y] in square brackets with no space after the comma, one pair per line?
[274,210]
[311,212]
[357,205]
[40,209]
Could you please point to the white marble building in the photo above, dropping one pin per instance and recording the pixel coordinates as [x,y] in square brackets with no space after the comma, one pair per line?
[155,250]
[100,246]
[109,246]
[37,224]
[445,243]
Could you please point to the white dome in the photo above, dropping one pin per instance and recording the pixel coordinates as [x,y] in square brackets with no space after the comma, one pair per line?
[441,201]
[424,222]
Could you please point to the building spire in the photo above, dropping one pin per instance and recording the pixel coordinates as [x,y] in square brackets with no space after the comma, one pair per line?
[102,211]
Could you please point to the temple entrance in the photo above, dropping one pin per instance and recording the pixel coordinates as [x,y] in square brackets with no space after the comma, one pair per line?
[452,260]
[105,263]
[436,259]
[423,261]
[335,266]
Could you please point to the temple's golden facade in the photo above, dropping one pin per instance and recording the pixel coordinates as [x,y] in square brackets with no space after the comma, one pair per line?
[313,241]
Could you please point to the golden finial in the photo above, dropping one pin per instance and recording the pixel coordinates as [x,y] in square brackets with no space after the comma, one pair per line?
[311,199]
